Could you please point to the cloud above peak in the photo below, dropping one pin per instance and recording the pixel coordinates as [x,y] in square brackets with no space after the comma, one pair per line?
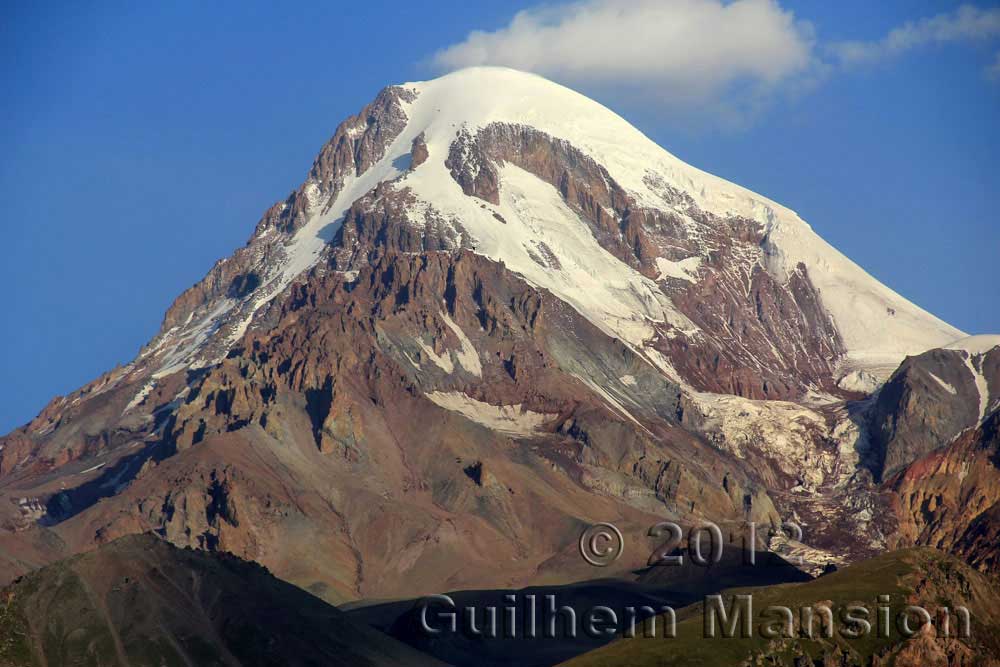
[718,58]
[680,50]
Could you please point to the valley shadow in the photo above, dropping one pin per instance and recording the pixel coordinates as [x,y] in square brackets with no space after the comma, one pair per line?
[547,625]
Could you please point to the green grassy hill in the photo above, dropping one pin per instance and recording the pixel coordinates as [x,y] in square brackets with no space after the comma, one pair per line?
[923,577]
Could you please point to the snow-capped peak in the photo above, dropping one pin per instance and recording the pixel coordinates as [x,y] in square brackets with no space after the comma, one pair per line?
[546,242]
[879,327]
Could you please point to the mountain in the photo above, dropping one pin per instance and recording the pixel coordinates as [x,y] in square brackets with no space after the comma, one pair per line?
[141,601]
[492,315]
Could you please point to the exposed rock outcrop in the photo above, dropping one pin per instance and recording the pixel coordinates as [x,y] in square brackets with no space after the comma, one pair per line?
[928,401]
[950,498]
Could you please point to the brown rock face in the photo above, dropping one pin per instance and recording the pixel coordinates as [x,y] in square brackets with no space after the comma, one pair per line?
[361,140]
[742,359]
[373,227]
[950,498]
[17,448]
[928,401]
[418,151]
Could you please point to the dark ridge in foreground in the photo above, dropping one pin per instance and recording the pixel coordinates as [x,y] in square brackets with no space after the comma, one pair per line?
[141,601]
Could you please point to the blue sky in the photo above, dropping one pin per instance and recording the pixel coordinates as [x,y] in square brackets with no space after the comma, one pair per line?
[142,141]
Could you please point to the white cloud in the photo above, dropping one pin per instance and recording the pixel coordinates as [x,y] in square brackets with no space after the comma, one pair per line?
[681,52]
[716,60]
[966,24]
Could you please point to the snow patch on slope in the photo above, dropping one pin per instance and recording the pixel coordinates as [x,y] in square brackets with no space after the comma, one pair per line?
[443,362]
[467,356]
[305,248]
[944,385]
[686,269]
[981,385]
[612,295]
[974,349]
[185,343]
[510,419]
[140,396]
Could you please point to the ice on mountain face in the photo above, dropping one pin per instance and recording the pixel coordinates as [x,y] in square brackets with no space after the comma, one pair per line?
[184,347]
[878,327]
[784,432]
[860,380]
[306,246]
